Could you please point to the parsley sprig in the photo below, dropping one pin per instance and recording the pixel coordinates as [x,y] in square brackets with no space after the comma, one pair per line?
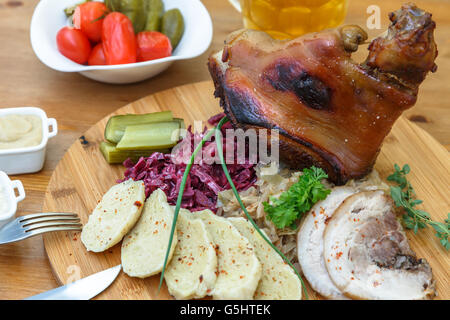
[404,197]
[298,199]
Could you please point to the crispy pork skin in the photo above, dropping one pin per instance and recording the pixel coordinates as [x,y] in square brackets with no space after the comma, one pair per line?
[331,111]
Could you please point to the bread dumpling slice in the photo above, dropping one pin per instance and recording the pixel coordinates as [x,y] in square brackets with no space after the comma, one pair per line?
[310,243]
[191,273]
[114,216]
[278,280]
[144,247]
[239,270]
[367,254]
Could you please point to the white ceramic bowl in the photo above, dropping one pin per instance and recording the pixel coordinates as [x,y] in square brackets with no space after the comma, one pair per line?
[7,188]
[49,18]
[29,159]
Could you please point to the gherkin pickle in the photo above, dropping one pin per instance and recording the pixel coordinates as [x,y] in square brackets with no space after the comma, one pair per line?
[113,5]
[115,128]
[134,9]
[113,155]
[159,135]
[155,12]
[173,26]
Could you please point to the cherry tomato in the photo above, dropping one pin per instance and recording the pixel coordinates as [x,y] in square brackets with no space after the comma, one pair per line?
[88,17]
[73,44]
[119,41]
[153,45]
[97,57]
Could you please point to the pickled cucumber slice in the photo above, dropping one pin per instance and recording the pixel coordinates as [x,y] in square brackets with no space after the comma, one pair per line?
[155,12]
[181,134]
[115,128]
[113,155]
[181,121]
[135,10]
[150,136]
[113,5]
[173,26]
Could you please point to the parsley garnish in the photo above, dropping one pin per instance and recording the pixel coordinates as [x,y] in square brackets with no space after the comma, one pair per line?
[299,199]
[404,196]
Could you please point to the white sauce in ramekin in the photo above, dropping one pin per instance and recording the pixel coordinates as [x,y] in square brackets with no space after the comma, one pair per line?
[20,131]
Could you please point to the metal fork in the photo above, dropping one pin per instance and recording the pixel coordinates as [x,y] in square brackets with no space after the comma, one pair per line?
[33,224]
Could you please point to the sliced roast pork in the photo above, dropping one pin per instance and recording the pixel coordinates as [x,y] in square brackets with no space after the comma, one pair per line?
[367,254]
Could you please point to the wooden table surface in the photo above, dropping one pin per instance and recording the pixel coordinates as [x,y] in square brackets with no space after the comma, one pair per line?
[77,103]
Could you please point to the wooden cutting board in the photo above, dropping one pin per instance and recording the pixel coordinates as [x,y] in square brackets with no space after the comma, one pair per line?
[83,176]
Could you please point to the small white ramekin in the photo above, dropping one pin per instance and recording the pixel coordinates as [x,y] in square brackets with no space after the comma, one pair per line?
[9,187]
[29,159]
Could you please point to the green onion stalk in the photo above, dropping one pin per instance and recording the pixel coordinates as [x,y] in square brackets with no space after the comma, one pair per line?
[218,140]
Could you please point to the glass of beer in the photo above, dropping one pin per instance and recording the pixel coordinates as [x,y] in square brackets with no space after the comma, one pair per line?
[287,19]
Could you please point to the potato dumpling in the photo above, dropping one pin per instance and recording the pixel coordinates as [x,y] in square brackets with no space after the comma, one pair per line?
[239,270]
[192,272]
[278,280]
[114,216]
[144,247]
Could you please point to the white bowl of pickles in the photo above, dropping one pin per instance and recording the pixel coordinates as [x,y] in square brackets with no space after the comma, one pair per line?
[49,17]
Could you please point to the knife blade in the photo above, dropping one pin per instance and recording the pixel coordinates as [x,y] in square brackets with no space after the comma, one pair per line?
[83,289]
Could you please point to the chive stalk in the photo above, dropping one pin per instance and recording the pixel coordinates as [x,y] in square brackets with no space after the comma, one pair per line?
[179,199]
[218,135]
[218,140]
